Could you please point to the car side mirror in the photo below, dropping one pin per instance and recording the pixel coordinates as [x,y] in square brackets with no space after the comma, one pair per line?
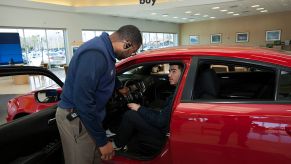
[47,96]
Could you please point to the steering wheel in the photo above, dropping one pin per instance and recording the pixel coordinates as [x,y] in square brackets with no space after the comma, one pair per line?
[119,101]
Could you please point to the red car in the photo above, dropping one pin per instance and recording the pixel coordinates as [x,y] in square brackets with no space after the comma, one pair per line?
[232,105]
[26,104]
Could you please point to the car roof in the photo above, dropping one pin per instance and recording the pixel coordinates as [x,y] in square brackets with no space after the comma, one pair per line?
[252,53]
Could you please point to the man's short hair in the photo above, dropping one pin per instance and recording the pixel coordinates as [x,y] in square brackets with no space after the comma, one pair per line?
[180,65]
[130,33]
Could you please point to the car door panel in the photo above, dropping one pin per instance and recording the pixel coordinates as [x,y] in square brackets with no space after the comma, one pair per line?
[231,133]
[29,135]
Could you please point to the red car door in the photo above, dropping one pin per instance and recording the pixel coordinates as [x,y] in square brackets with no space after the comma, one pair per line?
[230,131]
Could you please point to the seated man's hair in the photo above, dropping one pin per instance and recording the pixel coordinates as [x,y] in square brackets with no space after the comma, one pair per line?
[180,65]
[130,33]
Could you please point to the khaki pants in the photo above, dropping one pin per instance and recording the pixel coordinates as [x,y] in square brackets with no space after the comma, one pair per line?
[78,146]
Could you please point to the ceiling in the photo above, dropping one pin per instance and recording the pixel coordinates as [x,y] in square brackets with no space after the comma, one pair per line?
[175,11]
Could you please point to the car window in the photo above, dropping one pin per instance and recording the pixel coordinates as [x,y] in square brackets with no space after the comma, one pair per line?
[161,69]
[133,71]
[228,80]
[284,91]
[17,97]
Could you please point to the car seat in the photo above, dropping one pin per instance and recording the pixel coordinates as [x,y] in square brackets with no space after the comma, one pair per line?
[207,86]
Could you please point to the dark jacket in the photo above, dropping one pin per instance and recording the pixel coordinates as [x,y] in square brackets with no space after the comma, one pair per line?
[89,84]
[158,118]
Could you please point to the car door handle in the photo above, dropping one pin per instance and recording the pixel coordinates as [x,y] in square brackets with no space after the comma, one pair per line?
[288,130]
[51,121]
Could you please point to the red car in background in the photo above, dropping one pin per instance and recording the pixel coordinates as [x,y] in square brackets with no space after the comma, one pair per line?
[26,104]
[231,105]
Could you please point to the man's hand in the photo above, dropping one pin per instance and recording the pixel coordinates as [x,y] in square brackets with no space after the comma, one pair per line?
[124,91]
[107,151]
[133,106]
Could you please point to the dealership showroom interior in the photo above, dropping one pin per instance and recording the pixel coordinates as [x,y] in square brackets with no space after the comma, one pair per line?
[209,83]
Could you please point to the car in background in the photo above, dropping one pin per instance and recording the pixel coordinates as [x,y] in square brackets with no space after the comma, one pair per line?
[55,58]
[29,103]
[231,105]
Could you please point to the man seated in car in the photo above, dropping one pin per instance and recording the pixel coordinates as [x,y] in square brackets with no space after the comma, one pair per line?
[145,128]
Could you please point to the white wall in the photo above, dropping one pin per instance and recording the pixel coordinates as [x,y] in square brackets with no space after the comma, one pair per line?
[74,22]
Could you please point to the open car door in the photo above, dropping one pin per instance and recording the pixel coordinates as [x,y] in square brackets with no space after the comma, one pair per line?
[33,138]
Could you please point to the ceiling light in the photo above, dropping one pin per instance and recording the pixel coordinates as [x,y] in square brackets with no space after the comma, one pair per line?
[223,10]
[175,17]
[165,15]
[188,12]
[184,18]
[214,8]
[260,9]
[256,6]
[154,13]
[236,14]
[212,17]
[230,12]
[205,15]
[197,14]
[264,11]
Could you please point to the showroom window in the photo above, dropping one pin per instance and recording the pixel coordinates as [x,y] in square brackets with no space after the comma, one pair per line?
[41,46]
[284,91]
[150,40]
[90,34]
[158,40]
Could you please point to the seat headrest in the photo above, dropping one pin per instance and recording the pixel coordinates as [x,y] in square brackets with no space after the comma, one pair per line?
[207,84]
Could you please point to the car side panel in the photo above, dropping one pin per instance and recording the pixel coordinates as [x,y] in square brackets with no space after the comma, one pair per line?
[231,133]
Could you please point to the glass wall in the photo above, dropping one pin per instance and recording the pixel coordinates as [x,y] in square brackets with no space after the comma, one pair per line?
[159,40]
[150,40]
[90,34]
[41,46]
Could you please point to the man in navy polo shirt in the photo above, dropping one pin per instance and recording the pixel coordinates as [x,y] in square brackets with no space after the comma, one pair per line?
[89,84]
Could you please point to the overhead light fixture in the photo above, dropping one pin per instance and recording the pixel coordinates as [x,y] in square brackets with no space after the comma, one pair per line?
[264,11]
[165,15]
[212,17]
[236,14]
[154,13]
[188,12]
[260,9]
[197,14]
[256,6]
[175,17]
[214,8]
[223,10]
[230,12]
[184,18]
[205,15]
